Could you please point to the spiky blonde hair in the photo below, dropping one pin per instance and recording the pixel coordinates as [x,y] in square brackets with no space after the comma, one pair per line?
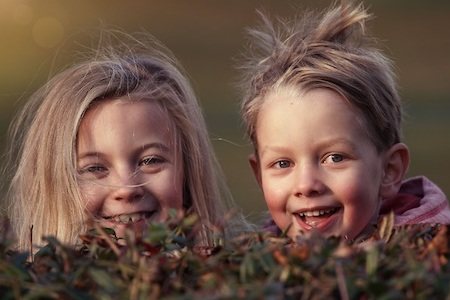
[330,49]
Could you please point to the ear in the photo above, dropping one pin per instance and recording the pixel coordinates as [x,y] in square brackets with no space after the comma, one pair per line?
[256,168]
[395,166]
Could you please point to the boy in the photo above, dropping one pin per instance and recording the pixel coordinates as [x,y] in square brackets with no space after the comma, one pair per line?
[323,112]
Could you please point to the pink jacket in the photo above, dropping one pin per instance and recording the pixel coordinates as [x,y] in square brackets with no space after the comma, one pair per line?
[418,201]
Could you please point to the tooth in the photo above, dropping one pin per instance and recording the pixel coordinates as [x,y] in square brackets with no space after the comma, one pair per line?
[135,217]
[315,213]
[124,218]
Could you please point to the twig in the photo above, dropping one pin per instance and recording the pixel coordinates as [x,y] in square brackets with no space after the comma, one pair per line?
[108,240]
[31,244]
[341,281]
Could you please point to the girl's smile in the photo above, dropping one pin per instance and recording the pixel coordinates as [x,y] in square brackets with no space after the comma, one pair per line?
[130,218]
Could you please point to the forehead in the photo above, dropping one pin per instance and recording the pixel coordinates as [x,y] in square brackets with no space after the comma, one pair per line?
[318,111]
[128,117]
[331,96]
[127,108]
[315,98]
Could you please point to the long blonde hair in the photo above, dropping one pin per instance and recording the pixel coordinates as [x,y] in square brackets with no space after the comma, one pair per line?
[43,191]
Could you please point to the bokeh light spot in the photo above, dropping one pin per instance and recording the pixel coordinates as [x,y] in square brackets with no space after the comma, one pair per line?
[48,32]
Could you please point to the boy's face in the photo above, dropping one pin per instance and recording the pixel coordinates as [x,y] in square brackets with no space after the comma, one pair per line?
[316,165]
[130,172]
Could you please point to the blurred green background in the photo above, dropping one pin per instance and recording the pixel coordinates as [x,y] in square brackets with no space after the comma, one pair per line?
[40,38]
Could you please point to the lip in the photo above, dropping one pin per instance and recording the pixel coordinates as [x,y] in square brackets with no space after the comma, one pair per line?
[318,218]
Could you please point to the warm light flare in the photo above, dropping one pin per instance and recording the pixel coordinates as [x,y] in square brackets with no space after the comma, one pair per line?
[48,32]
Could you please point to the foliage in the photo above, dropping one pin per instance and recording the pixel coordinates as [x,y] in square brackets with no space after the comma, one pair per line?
[410,262]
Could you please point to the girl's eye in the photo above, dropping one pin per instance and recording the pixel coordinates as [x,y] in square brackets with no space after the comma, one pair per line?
[334,158]
[282,164]
[94,171]
[152,160]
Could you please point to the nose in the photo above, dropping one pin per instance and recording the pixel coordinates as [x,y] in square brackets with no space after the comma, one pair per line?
[128,188]
[308,181]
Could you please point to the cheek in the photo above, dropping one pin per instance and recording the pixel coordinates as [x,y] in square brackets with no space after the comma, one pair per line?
[92,196]
[359,188]
[169,199]
[274,195]
[361,206]
[276,200]
[175,200]
[361,196]
[168,191]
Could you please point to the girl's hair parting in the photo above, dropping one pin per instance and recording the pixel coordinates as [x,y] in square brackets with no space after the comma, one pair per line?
[330,49]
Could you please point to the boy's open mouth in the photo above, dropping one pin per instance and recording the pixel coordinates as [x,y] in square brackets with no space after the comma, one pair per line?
[317,218]
[130,218]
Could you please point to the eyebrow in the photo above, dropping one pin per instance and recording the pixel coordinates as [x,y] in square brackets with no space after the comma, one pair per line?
[144,147]
[335,141]
[161,146]
[322,145]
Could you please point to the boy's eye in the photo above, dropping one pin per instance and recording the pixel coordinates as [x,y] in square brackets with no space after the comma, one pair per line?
[334,158]
[282,164]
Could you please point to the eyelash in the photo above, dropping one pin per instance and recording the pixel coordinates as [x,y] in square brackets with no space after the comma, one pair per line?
[340,157]
[278,163]
[100,169]
[93,169]
[286,164]
[152,160]
[334,155]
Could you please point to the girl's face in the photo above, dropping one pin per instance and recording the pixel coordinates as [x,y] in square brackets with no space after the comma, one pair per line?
[316,165]
[130,172]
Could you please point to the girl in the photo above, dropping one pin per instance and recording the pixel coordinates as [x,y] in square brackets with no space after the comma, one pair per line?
[322,109]
[118,139]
